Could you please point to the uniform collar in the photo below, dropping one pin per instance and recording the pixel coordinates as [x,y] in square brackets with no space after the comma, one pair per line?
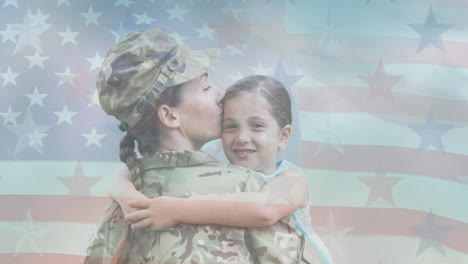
[175,159]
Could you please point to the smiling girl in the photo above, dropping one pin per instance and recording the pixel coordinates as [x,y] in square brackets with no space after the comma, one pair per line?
[256,126]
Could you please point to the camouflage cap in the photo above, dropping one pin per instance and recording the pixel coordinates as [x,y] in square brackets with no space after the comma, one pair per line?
[139,68]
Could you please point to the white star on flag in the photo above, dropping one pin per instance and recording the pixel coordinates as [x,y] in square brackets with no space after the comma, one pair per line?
[177,37]
[22,130]
[36,98]
[39,19]
[235,51]
[329,135]
[9,34]
[67,77]
[96,62]
[261,70]
[29,235]
[233,11]
[125,3]
[63,2]
[205,31]
[93,138]
[36,60]
[235,77]
[176,13]
[35,138]
[94,99]
[143,19]
[332,235]
[10,3]
[65,115]
[10,116]
[120,33]
[30,33]
[9,77]
[91,16]
[68,36]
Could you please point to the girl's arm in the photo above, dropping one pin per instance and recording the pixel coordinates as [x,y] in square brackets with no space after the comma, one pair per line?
[279,197]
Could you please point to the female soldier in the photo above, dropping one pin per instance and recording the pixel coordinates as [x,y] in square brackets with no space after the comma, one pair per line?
[159,91]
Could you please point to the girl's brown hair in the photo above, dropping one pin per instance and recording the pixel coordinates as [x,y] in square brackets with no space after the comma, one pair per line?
[146,134]
[271,89]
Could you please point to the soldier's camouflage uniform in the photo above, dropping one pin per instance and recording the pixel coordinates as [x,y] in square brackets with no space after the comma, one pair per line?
[133,75]
[178,174]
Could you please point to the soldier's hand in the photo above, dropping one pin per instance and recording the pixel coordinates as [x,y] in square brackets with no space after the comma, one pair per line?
[154,214]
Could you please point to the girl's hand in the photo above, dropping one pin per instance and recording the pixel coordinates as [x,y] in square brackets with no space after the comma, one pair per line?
[154,214]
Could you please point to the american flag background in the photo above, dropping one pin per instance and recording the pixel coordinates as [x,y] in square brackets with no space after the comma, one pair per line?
[380,93]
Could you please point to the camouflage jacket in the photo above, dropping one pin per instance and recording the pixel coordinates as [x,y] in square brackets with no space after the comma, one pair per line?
[178,174]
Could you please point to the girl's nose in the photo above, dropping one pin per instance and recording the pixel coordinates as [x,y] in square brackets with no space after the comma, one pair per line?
[243,136]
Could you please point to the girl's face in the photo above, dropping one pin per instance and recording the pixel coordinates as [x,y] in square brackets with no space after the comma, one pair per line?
[251,135]
[200,111]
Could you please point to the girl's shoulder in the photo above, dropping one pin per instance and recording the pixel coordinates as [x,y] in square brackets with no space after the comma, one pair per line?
[283,165]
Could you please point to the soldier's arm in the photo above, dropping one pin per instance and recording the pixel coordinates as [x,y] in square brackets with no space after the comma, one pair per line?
[278,198]
[122,191]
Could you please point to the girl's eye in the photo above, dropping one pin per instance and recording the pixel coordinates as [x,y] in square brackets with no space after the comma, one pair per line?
[230,126]
[258,125]
[207,88]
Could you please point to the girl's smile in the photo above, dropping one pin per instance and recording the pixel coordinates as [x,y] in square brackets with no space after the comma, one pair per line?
[243,153]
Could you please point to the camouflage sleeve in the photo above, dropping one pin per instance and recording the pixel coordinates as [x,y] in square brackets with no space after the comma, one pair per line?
[278,243]
[253,182]
[110,229]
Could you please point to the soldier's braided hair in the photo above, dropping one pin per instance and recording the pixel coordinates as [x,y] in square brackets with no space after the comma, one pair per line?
[146,134]
[129,157]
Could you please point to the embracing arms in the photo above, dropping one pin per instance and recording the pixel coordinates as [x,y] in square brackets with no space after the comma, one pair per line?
[279,197]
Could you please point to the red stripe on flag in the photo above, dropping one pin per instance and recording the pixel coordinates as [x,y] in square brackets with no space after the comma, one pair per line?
[45,208]
[447,166]
[391,222]
[354,99]
[368,49]
[51,258]
[45,258]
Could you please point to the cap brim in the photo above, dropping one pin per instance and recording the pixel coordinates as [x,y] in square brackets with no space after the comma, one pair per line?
[197,63]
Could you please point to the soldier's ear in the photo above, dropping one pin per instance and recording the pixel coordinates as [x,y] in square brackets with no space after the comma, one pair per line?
[168,116]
